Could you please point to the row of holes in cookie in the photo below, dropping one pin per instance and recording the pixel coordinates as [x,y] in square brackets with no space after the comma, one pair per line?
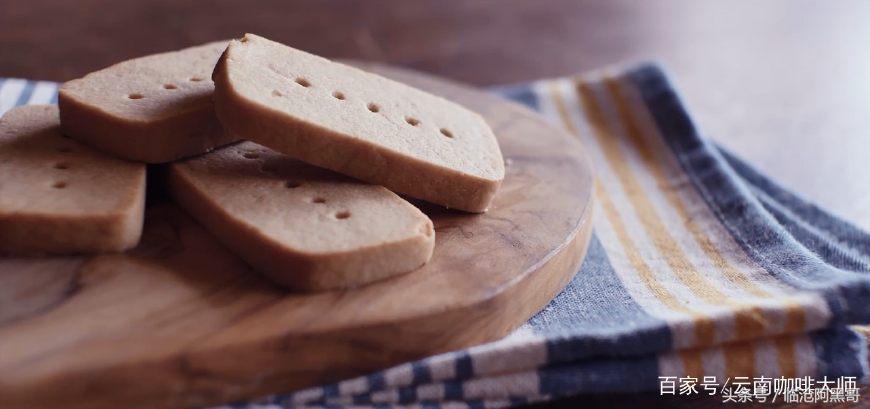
[371,106]
[292,184]
[60,184]
[169,86]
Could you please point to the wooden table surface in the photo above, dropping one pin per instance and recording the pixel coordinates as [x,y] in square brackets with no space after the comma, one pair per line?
[784,84]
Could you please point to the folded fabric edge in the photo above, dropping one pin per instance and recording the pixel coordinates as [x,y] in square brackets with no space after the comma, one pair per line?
[749,223]
[836,240]
[829,353]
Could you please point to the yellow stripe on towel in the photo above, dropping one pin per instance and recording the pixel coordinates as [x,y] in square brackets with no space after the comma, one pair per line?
[749,321]
[795,317]
[704,326]
[794,312]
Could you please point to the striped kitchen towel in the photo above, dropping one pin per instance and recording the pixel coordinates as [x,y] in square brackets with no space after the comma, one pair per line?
[699,266]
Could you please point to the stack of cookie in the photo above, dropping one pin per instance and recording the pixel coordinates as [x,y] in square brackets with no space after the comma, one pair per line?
[294,162]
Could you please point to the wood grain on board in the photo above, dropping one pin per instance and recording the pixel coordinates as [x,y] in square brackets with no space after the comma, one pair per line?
[182,322]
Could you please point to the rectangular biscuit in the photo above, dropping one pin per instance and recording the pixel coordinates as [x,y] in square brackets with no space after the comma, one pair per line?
[150,109]
[357,123]
[305,227]
[59,196]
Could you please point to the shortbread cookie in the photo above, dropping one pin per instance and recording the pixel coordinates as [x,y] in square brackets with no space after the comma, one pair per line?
[151,109]
[305,227]
[59,196]
[357,123]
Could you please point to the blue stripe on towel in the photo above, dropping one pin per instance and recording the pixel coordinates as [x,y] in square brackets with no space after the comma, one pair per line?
[839,233]
[26,93]
[453,390]
[464,366]
[362,399]
[407,394]
[842,229]
[614,325]
[376,381]
[475,404]
[840,352]
[421,373]
[600,376]
[820,243]
[522,94]
[330,391]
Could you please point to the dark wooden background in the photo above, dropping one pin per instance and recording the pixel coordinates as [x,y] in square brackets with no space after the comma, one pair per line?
[785,84]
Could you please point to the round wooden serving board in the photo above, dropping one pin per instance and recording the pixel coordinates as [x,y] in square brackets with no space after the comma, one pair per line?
[182,322]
